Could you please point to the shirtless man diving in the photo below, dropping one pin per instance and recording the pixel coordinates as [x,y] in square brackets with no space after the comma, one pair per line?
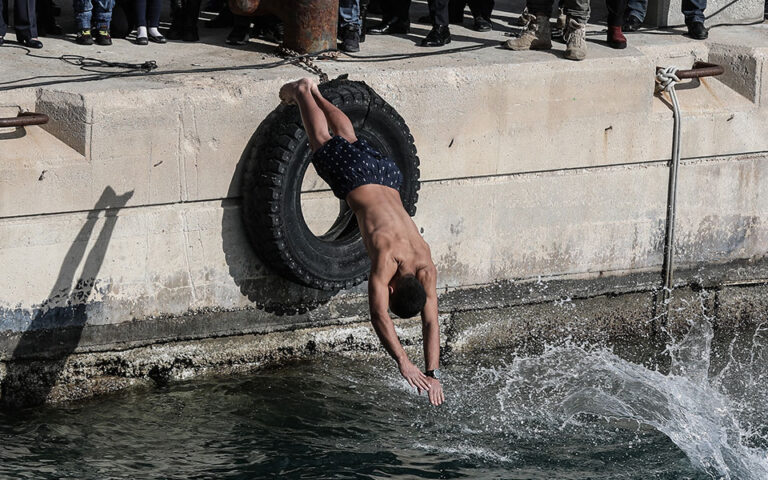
[403,278]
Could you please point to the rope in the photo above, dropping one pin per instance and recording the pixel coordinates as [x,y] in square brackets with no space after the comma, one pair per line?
[666,78]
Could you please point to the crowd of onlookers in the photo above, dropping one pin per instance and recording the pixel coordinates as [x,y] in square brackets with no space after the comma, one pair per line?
[97,21]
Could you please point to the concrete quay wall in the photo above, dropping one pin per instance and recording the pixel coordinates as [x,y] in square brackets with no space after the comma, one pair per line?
[122,232]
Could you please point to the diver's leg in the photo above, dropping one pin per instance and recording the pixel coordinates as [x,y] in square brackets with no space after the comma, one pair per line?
[337,120]
[315,123]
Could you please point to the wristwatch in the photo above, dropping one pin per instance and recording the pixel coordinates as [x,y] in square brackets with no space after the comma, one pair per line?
[433,373]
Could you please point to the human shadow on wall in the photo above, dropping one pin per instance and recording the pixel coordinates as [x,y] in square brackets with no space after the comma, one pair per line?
[265,289]
[57,324]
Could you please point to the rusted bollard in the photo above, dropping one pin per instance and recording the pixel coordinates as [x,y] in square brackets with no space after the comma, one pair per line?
[310,25]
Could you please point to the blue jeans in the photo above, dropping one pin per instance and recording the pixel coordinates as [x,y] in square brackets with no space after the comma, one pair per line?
[637,9]
[90,13]
[349,13]
[693,10]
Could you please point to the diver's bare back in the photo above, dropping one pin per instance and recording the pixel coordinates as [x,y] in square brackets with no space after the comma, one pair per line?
[387,228]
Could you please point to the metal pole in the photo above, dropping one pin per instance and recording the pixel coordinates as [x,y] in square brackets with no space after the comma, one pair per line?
[669,247]
[667,78]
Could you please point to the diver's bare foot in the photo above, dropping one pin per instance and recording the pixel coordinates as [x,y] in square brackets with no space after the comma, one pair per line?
[291,90]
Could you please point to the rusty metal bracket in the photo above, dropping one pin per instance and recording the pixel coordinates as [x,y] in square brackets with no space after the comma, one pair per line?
[24,119]
[701,69]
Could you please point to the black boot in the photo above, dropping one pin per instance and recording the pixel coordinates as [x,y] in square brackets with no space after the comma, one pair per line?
[697,30]
[350,39]
[392,25]
[439,35]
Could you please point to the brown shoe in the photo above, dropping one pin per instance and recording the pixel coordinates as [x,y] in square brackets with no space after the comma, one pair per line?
[576,40]
[538,36]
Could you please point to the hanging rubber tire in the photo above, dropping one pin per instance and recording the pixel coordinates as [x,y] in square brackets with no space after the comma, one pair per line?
[272,180]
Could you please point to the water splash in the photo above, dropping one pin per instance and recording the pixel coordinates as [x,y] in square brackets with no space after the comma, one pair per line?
[717,422]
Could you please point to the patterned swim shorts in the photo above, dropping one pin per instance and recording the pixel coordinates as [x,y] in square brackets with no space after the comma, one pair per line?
[346,166]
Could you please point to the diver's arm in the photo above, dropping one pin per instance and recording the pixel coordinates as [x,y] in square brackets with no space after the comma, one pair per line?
[431,333]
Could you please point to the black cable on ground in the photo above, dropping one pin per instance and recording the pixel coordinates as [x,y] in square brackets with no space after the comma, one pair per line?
[96,67]
[149,68]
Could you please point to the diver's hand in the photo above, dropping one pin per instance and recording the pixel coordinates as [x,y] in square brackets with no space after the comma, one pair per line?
[413,375]
[435,391]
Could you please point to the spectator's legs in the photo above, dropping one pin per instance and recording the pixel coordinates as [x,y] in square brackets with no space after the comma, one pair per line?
[693,10]
[616,10]
[540,7]
[578,10]
[102,13]
[25,19]
[153,15]
[456,11]
[83,9]
[349,25]
[400,8]
[121,24]
[241,26]
[438,10]
[637,9]
[3,13]
[140,11]
[349,13]
[395,18]
[481,8]
[577,14]
[191,15]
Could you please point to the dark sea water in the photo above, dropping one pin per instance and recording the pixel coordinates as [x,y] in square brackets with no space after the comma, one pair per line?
[571,412]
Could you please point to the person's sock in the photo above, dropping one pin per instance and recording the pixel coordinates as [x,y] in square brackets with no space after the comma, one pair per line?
[154,32]
[141,32]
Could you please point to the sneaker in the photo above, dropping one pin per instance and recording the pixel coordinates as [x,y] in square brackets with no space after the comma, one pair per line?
[576,40]
[350,39]
[102,37]
[84,37]
[697,30]
[632,24]
[538,36]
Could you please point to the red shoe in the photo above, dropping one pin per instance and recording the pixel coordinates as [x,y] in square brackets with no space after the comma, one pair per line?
[616,39]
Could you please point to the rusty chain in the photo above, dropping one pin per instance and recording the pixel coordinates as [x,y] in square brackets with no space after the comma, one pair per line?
[306,61]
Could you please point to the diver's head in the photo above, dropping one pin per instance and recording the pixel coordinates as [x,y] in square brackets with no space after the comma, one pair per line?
[406,295]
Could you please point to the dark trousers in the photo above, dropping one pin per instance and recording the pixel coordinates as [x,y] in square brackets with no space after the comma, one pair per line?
[24,19]
[693,10]
[479,8]
[616,10]
[395,8]
[438,10]
[576,9]
[184,14]
[147,13]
